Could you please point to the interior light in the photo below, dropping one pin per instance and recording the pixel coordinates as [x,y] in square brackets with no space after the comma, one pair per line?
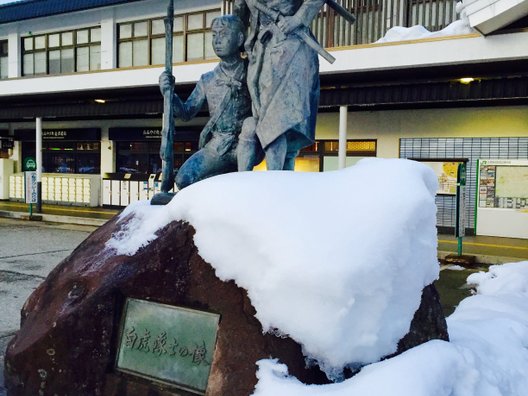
[102,101]
[466,80]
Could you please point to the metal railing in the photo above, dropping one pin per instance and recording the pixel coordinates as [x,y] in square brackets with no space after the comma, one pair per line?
[374,18]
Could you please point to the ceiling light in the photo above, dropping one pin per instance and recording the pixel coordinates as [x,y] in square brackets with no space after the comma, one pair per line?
[466,80]
[102,101]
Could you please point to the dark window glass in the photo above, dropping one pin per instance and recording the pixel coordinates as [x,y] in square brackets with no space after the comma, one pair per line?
[67,157]
[3,59]
[143,157]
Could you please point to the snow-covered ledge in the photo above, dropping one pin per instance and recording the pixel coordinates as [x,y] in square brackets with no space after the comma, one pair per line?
[436,51]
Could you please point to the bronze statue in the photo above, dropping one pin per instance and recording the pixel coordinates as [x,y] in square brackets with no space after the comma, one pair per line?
[224,89]
[283,80]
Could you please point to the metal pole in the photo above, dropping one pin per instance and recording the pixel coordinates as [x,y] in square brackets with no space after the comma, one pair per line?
[38,148]
[166,150]
[342,137]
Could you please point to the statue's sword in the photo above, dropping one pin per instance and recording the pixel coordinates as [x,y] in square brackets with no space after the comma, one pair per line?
[167,132]
[341,11]
[302,34]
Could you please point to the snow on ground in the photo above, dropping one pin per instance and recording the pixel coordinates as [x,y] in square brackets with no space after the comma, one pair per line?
[316,251]
[486,356]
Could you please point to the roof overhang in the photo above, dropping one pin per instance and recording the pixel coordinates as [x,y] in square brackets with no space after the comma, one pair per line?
[488,16]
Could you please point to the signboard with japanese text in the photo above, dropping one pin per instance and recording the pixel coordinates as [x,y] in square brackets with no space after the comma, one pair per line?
[6,143]
[503,184]
[31,187]
[502,198]
[460,224]
[168,344]
[70,134]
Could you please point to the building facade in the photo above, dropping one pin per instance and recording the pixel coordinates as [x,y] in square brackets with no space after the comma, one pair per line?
[89,69]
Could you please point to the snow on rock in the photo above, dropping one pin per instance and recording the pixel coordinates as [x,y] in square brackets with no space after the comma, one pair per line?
[336,260]
[487,354]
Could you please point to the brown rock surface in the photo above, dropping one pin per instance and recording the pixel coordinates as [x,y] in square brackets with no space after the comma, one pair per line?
[70,324]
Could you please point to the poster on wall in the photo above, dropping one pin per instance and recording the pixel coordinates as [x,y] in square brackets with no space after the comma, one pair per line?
[503,184]
[446,172]
[502,201]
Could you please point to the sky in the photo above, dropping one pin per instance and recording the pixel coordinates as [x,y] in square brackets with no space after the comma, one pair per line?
[345,283]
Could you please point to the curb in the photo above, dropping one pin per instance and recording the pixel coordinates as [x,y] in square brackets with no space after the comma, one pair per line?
[54,218]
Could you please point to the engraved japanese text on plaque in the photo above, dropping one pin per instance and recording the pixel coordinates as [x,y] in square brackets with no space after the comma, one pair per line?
[169,344]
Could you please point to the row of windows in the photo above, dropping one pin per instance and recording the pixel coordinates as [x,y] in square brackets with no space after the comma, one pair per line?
[143,156]
[140,43]
[64,52]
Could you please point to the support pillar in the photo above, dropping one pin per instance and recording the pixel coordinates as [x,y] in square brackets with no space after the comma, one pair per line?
[38,152]
[343,112]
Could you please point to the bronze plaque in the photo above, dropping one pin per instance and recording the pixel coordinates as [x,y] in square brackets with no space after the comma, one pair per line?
[168,344]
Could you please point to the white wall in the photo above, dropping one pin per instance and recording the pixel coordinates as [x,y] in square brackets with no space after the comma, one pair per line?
[107,18]
[389,126]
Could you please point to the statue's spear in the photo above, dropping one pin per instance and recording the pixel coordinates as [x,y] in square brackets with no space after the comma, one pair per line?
[167,132]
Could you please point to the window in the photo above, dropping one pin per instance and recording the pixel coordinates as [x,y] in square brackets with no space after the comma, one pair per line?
[142,43]
[67,156]
[322,155]
[62,52]
[3,59]
[143,156]
[365,148]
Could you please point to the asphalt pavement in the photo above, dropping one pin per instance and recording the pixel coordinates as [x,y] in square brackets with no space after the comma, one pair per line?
[29,250]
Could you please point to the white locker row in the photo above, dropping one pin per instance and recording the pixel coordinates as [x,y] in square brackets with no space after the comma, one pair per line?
[125,192]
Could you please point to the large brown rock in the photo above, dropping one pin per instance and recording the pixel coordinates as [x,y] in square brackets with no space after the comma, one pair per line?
[70,324]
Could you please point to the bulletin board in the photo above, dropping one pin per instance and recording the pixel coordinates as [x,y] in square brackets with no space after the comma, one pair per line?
[502,198]
[446,172]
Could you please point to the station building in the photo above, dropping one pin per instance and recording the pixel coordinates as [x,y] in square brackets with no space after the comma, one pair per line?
[89,71]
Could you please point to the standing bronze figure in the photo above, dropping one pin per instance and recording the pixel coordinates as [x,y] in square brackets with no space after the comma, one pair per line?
[283,80]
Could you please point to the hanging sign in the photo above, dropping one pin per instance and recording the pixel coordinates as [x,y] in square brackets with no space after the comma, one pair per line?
[460,226]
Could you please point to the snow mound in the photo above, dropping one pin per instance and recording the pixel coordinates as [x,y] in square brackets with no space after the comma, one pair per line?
[487,355]
[335,260]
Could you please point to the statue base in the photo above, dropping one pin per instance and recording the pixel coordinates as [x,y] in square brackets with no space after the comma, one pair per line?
[72,327]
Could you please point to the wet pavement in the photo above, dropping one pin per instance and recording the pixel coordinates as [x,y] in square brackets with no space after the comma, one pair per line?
[58,214]
[28,252]
[487,250]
